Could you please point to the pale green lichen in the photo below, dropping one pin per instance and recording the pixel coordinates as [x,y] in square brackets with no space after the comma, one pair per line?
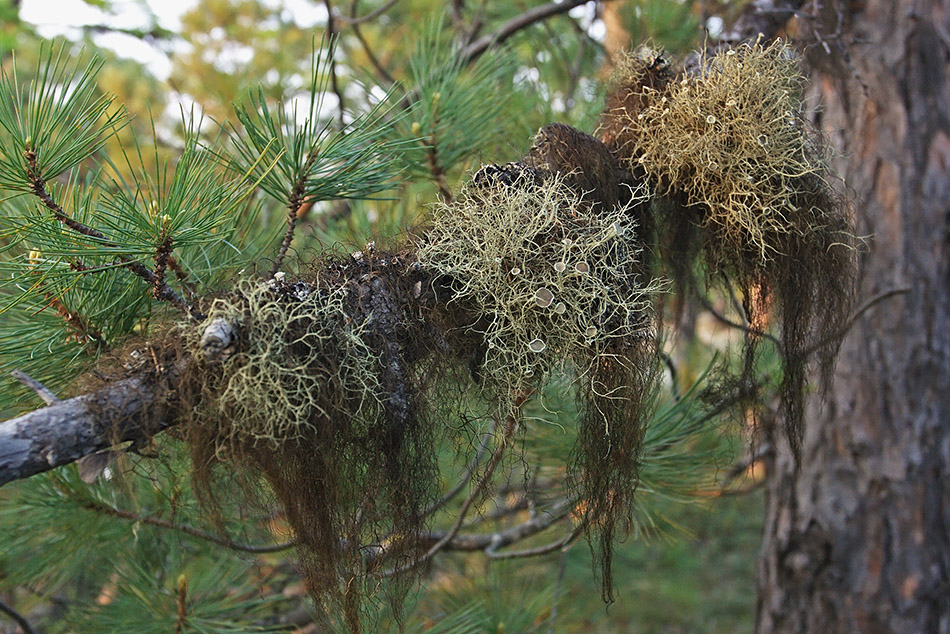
[549,280]
[301,361]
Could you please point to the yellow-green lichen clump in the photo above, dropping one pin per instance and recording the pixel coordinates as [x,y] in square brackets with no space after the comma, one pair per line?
[301,361]
[731,138]
[546,278]
[745,191]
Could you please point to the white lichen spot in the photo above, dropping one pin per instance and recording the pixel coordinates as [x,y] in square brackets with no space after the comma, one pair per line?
[582,267]
[543,297]
[560,308]
[591,331]
[560,267]
[537,345]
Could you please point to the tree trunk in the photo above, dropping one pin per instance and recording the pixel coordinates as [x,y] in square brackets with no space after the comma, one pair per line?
[858,540]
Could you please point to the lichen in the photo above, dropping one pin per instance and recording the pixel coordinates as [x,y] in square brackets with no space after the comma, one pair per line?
[745,194]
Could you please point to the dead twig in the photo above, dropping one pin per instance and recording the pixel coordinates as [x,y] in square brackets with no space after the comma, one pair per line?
[18,618]
[41,390]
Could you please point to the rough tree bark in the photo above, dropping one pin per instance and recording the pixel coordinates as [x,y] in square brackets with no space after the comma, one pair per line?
[858,540]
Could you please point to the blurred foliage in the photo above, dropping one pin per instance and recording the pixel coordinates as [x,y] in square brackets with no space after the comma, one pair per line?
[83,566]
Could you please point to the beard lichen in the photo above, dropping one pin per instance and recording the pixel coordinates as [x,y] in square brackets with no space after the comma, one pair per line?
[746,193]
[321,393]
[541,282]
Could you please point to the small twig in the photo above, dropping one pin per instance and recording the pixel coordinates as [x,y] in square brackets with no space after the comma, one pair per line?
[18,618]
[866,306]
[372,15]
[457,7]
[227,542]
[482,448]
[674,380]
[153,35]
[334,80]
[381,71]
[732,324]
[531,527]
[41,390]
[435,169]
[297,198]
[500,511]
[518,23]
[754,455]
[491,543]
[94,339]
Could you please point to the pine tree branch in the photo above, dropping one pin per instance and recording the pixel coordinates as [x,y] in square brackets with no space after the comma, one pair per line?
[38,187]
[72,428]
[518,23]
[152,520]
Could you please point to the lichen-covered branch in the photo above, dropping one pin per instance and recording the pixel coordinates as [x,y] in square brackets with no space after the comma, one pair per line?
[70,429]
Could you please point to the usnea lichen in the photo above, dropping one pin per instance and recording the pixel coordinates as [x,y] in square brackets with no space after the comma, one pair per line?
[746,194]
[297,345]
[544,279]
[541,278]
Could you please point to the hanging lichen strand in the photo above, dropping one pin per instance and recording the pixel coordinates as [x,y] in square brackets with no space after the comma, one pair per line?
[317,385]
[745,190]
[537,279]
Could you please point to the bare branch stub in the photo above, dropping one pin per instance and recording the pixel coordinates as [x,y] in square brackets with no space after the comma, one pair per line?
[41,390]
[70,429]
